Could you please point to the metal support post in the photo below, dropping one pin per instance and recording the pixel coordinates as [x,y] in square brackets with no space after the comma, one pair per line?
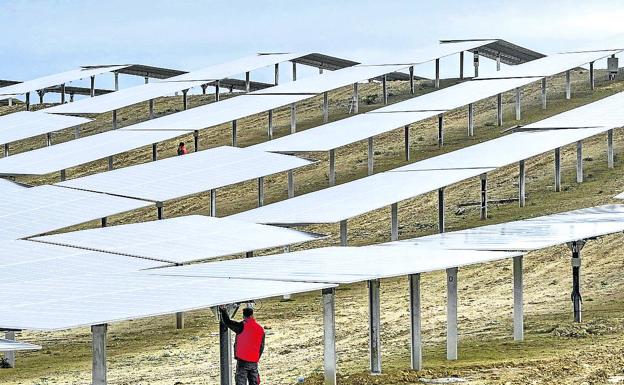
[184,99]
[343,232]
[10,356]
[146,80]
[394,222]
[98,335]
[406,129]
[518,301]
[204,87]
[325,107]
[470,119]
[370,163]
[592,84]
[436,82]
[461,65]
[557,169]
[441,210]
[110,162]
[41,93]
[484,200]
[261,191]
[160,210]
[499,109]
[374,326]
[6,149]
[63,93]
[332,167]
[76,132]
[294,71]
[49,139]
[154,152]
[276,73]
[63,175]
[291,184]
[179,320]
[151,108]
[411,75]
[114,119]
[293,118]
[356,99]
[521,184]
[116,80]
[543,93]
[225,354]
[384,89]
[577,299]
[441,130]
[451,313]
[476,63]
[213,202]
[329,336]
[92,86]
[579,162]
[217,91]
[568,85]
[498,61]
[247,82]
[270,127]
[27,101]
[518,103]
[71,97]
[196,140]
[104,222]
[415,326]
[610,148]
[234,142]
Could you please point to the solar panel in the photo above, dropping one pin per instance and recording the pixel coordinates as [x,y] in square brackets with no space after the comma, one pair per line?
[530,234]
[428,53]
[61,303]
[182,239]
[42,209]
[56,79]
[338,264]
[26,261]
[9,186]
[182,176]
[354,198]
[16,346]
[26,124]
[343,132]
[79,151]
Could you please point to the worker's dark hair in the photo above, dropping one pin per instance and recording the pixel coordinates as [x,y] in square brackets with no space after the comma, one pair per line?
[181,144]
[247,312]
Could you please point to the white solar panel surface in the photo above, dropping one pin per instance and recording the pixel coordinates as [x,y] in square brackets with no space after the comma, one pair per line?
[56,79]
[619,196]
[42,209]
[26,261]
[26,124]
[351,199]
[343,132]
[549,65]
[16,346]
[505,150]
[199,171]
[429,53]
[61,303]
[61,156]
[338,264]
[182,239]
[214,114]
[9,186]
[530,234]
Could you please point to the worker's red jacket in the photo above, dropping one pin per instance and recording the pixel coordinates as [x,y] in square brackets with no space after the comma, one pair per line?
[249,343]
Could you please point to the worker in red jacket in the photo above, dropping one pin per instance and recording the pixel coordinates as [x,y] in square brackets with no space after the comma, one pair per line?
[182,149]
[248,346]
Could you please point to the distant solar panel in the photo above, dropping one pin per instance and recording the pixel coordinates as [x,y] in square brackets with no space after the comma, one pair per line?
[200,171]
[42,209]
[25,124]
[182,239]
[16,346]
[7,186]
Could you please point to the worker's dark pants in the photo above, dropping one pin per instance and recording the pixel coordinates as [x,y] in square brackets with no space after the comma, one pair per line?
[247,371]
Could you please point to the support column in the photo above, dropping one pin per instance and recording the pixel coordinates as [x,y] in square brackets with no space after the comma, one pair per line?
[436,83]
[518,104]
[384,89]
[184,99]
[579,162]
[293,118]
[499,110]
[213,202]
[592,84]
[411,75]
[76,132]
[610,148]
[179,320]
[234,142]
[441,210]
[484,201]
[270,128]
[461,65]
[294,71]
[27,101]
[394,222]
[451,313]
[10,356]
[116,80]
[247,82]
[196,140]
[407,143]
[63,175]
[98,333]
[332,168]
[114,119]
[151,108]
[110,162]
[521,184]
[577,299]
[276,73]
[374,326]
[498,61]
[325,107]
[557,169]
[154,152]
[217,91]
[475,61]
[568,85]
[225,354]
[261,191]
[415,326]
[92,86]
[291,184]
[470,119]
[204,87]
[371,159]
[343,232]
[63,93]
[49,139]
[146,79]
[543,93]
[440,130]
[160,210]
[41,93]
[518,300]
[6,150]
[329,336]
[356,99]
[104,222]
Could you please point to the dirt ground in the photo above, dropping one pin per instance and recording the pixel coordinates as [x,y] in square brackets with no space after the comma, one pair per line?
[556,351]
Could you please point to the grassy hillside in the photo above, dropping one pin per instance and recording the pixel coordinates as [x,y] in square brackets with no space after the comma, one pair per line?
[555,351]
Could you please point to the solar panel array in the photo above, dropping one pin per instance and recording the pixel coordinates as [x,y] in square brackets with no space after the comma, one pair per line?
[25,124]
[16,346]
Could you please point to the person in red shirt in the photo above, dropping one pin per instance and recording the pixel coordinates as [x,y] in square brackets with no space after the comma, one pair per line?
[182,149]
[248,347]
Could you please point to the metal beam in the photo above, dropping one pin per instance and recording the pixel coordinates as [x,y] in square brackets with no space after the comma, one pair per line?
[217,91]
[610,148]
[291,184]
[293,118]
[213,202]
[461,65]
[261,191]
[332,167]
[592,84]
[104,222]
[27,101]
[484,201]
[196,140]
[436,82]
[475,60]
[49,139]
[247,82]
[225,354]
[521,184]
[415,324]
[384,89]
[518,103]
[294,71]
[518,300]
[6,150]
[276,73]
[579,162]
[116,80]
[568,85]
[371,153]
[154,152]
[151,108]
[63,175]
[406,130]
[325,107]
[394,222]
[451,313]
[329,336]
[63,93]
[441,210]
[470,119]
[114,118]
[499,109]
[411,75]
[343,233]
[374,326]
[577,299]
[92,91]
[110,162]
[356,99]
[270,126]
[543,93]
[441,130]
[184,99]
[98,334]
[557,169]
[234,141]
